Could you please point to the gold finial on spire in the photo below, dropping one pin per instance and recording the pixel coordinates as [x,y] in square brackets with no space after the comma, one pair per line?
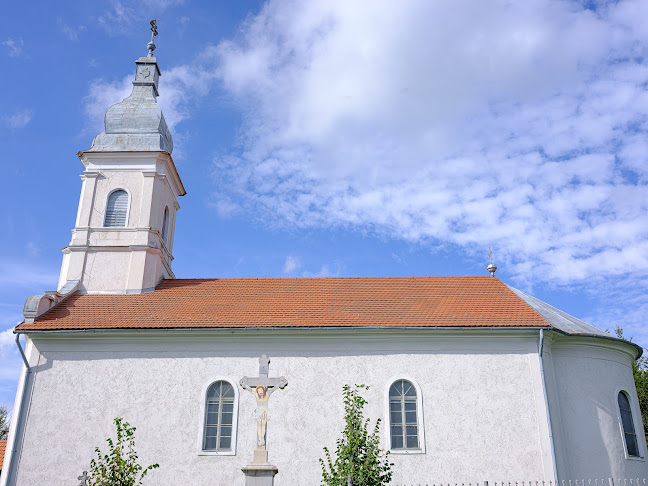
[154,32]
[491,268]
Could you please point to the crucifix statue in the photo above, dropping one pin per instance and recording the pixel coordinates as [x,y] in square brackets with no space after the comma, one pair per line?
[262,387]
[84,479]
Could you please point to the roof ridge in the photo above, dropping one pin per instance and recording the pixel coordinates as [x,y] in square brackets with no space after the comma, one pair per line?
[364,277]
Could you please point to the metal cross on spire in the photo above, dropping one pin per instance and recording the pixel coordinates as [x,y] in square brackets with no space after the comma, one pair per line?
[491,268]
[154,32]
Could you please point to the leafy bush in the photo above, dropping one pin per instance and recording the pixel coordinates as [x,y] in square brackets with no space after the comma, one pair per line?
[358,456]
[119,467]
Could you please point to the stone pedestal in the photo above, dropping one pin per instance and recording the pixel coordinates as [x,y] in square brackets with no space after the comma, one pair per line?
[260,472]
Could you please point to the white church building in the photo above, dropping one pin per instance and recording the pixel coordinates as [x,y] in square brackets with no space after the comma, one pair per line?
[472,379]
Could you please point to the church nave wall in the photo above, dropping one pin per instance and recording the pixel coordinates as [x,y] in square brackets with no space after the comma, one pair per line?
[480,410]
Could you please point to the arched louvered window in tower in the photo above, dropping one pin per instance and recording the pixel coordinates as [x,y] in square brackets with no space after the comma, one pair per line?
[403,416]
[116,209]
[165,226]
[627,423]
[219,417]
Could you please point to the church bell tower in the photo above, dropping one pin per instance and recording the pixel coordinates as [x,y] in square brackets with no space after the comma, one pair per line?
[122,241]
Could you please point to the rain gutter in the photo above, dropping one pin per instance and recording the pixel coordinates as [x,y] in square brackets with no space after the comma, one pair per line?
[275,328]
[546,401]
[14,454]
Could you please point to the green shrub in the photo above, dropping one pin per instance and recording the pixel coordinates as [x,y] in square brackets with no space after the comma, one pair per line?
[119,466]
[358,455]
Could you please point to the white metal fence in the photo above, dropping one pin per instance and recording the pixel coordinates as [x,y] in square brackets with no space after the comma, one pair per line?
[564,482]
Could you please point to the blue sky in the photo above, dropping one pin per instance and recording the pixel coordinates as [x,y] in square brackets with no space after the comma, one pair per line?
[336,138]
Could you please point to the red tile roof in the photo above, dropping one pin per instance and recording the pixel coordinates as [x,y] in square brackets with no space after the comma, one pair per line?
[3,447]
[299,302]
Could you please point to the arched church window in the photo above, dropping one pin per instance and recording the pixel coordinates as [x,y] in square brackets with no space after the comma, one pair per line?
[404,416]
[219,434]
[116,209]
[628,425]
[165,225]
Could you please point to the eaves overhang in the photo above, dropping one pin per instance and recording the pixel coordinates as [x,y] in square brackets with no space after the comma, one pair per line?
[525,330]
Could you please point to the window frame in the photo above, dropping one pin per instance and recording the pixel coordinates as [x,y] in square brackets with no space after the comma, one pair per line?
[634,406]
[128,207]
[419,417]
[203,406]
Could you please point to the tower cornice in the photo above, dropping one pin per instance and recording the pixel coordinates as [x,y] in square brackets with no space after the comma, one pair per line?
[96,162]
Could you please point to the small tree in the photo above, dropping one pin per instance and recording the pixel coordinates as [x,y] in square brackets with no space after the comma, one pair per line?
[359,460]
[640,372]
[119,467]
[4,422]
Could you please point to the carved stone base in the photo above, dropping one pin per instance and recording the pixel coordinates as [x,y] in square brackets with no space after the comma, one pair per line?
[259,474]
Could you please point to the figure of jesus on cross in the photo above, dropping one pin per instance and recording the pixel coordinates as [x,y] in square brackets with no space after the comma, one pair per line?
[262,387]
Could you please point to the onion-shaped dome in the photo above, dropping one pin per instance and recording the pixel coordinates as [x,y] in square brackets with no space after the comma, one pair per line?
[137,123]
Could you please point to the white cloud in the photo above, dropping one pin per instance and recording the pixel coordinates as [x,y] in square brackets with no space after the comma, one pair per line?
[101,96]
[179,88]
[27,275]
[324,271]
[33,249]
[18,119]
[120,16]
[70,32]
[223,206]
[183,24]
[10,369]
[15,46]
[7,343]
[519,126]
[160,5]
[291,264]
[294,263]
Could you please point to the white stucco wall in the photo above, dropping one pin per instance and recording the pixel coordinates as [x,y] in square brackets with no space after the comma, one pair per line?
[482,400]
[164,197]
[584,377]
